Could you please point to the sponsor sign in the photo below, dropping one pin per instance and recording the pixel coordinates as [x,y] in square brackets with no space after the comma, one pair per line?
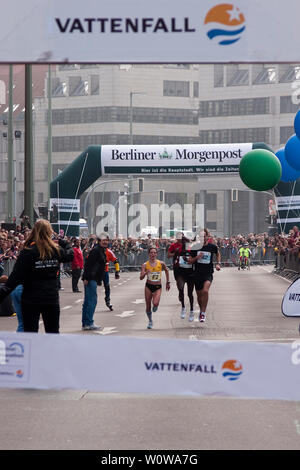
[290,305]
[180,159]
[65,205]
[119,31]
[155,366]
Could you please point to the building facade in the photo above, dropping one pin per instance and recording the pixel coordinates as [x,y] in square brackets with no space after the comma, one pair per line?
[161,104]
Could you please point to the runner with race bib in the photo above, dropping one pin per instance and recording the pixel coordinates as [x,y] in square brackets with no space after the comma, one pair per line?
[203,263]
[152,269]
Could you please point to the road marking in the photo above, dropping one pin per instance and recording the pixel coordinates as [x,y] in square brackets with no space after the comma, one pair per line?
[78,301]
[192,337]
[126,313]
[107,330]
[67,307]
[138,301]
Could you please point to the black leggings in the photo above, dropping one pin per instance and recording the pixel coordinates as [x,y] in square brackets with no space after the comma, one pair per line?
[180,281]
[31,316]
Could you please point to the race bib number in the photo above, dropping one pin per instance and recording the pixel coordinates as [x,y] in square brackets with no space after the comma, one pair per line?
[155,276]
[183,263]
[206,257]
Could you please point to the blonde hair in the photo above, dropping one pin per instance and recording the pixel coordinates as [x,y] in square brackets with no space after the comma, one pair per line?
[40,235]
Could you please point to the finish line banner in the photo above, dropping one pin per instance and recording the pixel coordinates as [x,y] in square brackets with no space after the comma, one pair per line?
[178,159]
[150,366]
[125,31]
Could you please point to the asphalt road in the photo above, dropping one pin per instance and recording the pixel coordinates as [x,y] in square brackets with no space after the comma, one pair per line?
[243,306]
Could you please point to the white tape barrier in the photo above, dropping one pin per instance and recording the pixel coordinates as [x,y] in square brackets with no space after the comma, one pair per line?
[158,366]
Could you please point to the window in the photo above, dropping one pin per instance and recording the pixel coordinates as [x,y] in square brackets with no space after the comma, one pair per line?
[211,201]
[196,89]
[77,87]
[236,107]
[240,78]
[287,105]
[290,74]
[176,88]
[259,134]
[218,75]
[267,75]
[95,87]
[121,114]
[58,88]
[285,133]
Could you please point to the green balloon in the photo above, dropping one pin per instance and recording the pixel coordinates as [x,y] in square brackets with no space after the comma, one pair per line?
[260,170]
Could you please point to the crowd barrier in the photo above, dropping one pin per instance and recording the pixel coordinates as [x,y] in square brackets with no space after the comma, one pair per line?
[229,257]
[288,264]
[133,260]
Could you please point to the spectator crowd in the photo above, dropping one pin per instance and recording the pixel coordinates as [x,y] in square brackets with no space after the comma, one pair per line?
[131,251]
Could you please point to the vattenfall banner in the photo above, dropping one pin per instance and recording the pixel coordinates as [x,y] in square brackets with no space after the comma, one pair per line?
[165,159]
[160,366]
[150,31]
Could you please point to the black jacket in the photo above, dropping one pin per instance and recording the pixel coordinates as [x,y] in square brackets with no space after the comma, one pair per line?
[39,278]
[94,266]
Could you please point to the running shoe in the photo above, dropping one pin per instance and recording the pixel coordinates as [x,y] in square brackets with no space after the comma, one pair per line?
[202,317]
[154,309]
[150,325]
[191,315]
[91,327]
[182,315]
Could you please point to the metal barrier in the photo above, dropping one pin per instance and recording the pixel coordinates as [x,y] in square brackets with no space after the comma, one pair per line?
[133,260]
[288,264]
[229,257]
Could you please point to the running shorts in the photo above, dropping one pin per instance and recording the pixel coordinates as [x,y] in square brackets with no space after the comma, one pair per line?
[200,280]
[153,287]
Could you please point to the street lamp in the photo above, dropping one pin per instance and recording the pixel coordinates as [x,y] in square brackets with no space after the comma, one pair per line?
[131,94]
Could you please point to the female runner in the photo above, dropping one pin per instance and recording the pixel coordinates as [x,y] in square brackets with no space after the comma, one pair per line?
[153,269]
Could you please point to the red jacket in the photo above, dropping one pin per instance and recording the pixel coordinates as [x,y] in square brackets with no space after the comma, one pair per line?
[77,262]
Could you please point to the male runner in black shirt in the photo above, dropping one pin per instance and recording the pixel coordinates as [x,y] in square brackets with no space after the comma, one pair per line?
[203,263]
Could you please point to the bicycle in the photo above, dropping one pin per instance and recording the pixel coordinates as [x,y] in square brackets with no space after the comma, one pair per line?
[244,263]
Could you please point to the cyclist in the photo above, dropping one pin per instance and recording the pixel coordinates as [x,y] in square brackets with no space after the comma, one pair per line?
[153,269]
[244,254]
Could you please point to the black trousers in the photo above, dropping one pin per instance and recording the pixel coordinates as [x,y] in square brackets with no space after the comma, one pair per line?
[31,317]
[75,279]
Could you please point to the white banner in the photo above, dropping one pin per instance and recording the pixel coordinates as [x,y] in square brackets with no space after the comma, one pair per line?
[141,31]
[155,366]
[162,159]
[65,205]
[290,306]
[287,203]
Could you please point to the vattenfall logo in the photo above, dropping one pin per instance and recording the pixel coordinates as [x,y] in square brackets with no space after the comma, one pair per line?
[225,24]
[231,369]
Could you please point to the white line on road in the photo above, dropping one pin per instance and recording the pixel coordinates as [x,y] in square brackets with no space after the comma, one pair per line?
[107,330]
[138,301]
[126,313]
[67,307]
[78,301]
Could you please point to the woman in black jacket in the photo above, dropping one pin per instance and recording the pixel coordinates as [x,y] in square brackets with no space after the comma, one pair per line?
[37,268]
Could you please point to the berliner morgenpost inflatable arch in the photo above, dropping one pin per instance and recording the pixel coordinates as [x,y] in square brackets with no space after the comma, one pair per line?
[138,160]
